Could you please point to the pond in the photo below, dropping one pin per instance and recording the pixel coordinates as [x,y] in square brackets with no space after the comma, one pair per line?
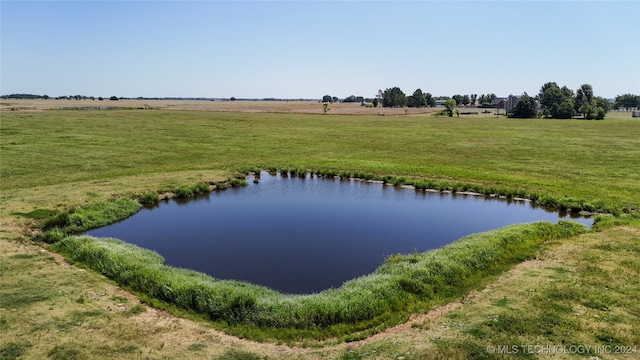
[308,234]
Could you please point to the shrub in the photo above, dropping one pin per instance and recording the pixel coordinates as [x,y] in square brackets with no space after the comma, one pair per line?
[250,169]
[186,191]
[50,236]
[398,181]
[238,182]
[91,216]
[149,198]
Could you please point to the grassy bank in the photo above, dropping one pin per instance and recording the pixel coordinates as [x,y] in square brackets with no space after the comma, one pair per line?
[405,283]
[53,225]
[581,290]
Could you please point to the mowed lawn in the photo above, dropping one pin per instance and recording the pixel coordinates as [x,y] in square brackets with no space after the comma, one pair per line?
[575,158]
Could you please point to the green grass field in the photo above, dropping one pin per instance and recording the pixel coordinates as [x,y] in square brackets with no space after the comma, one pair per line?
[56,160]
[584,159]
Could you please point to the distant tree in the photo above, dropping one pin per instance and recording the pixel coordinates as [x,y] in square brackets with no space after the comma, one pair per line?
[473,98]
[485,100]
[23,96]
[114,98]
[327,98]
[556,102]
[100,98]
[602,102]
[233,98]
[583,103]
[566,92]
[350,99]
[457,98]
[627,101]
[465,100]
[375,102]
[429,100]
[602,107]
[449,106]
[563,110]
[588,105]
[394,97]
[418,99]
[588,111]
[525,107]
[335,99]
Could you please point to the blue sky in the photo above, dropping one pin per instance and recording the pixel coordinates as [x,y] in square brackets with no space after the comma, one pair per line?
[305,49]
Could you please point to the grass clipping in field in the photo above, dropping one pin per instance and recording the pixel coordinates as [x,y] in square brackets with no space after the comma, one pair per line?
[401,285]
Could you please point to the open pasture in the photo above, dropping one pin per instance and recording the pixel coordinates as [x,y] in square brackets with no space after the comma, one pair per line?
[55,160]
[592,160]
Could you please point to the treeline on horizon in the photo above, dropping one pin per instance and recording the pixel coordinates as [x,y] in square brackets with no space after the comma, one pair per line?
[552,101]
[84,97]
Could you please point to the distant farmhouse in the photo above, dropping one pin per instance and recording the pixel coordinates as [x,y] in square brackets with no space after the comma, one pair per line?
[511,103]
[498,103]
[507,103]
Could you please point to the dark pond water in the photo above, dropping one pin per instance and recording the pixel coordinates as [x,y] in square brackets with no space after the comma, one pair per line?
[303,235]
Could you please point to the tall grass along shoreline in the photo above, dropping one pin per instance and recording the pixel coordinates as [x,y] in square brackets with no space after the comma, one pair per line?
[55,226]
[402,285]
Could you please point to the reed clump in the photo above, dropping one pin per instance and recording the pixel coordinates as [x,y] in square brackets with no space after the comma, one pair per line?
[186,191]
[149,198]
[238,182]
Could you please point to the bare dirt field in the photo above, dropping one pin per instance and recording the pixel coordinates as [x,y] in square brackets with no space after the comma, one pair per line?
[301,107]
